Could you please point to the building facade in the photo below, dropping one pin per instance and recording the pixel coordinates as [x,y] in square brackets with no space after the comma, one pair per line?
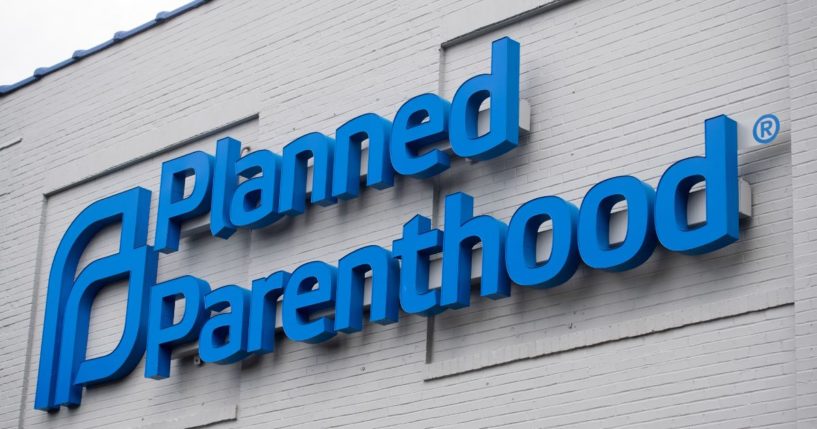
[727,338]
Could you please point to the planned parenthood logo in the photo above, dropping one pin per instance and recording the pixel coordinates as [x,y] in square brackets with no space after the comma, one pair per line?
[317,300]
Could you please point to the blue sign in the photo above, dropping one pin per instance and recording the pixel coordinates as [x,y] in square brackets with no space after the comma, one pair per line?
[257,189]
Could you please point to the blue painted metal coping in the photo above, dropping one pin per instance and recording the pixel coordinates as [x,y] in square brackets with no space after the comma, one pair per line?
[84,53]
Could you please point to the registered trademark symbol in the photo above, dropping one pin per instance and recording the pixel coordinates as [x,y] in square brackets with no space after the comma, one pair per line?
[766,128]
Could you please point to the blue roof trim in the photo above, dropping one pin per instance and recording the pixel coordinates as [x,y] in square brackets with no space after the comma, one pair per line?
[84,53]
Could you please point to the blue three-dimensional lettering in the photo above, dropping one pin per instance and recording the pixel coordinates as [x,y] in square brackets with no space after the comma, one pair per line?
[317,299]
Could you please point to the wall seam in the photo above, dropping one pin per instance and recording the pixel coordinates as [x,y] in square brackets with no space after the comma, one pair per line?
[32,318]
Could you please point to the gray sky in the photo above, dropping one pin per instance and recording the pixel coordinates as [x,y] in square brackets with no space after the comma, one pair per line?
[40,33]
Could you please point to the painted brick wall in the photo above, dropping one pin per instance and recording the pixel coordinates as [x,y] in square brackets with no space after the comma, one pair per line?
[802,50]
[616,87]
[629,97]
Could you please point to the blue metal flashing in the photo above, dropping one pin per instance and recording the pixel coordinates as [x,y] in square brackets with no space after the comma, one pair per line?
[84,53]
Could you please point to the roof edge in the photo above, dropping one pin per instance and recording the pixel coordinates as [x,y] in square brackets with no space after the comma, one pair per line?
[118,37]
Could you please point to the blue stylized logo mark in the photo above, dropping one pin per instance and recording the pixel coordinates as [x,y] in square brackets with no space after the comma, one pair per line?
[64,370]
[766,128]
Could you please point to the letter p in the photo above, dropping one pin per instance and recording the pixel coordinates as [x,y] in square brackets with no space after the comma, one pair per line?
[163,334]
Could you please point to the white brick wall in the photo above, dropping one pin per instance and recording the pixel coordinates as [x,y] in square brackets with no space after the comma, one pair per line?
[596,115]
[802,50]
[615,88]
